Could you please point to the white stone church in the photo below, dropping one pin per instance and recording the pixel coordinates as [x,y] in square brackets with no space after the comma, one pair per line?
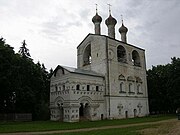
[108,83]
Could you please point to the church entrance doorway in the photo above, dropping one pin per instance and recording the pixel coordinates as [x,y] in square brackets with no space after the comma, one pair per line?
[61,114]
[84,111]
[61,111]
[81,110]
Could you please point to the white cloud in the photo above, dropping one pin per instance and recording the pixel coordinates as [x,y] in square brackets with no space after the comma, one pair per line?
[53,29]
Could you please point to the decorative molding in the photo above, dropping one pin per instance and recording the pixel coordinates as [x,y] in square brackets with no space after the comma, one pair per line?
[138,79]
[130,78]
[122,77]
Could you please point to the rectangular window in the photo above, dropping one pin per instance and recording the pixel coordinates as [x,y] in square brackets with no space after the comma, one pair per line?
[97,88]
[121,87]
[56,88]
[77,87]
[88,87]
[130,87]
[63,87]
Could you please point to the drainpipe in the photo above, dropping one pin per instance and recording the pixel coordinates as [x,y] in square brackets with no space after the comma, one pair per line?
[108,78]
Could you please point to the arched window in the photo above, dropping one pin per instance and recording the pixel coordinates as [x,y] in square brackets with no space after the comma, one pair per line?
[121,90]
[121,87]
[131,81]
[126,114]
[138,88]
[135,112]
[88,87]
[87,55]
[56,88]
[139,85]
[135,58]
[63,87]
[130,87]
[121,54]
[97,88]
[77,87]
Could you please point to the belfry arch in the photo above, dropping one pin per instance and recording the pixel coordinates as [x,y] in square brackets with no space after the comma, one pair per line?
[87,55]
[121,54]
[135,58]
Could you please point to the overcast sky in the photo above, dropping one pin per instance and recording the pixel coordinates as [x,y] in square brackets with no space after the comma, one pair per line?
[54,28]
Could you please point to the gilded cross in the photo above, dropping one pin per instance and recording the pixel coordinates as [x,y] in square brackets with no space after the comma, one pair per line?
[109,8]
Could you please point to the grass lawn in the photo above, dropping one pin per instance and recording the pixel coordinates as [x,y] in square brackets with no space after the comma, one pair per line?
[121,131]
[6,127]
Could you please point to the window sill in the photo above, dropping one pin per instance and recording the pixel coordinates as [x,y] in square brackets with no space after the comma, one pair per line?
[122,92]
[131,93]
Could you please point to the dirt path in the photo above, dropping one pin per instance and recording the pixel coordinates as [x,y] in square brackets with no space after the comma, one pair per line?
[176,131]
[171,127]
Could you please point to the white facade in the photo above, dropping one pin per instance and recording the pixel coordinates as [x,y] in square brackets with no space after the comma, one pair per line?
[109,82]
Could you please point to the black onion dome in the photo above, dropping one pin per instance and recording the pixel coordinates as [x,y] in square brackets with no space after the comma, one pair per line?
[123,29]
[110,21]
[97,18]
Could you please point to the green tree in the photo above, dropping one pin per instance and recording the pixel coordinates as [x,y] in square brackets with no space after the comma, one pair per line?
[24,51]
[6,91]
[164,86]
[24,84]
